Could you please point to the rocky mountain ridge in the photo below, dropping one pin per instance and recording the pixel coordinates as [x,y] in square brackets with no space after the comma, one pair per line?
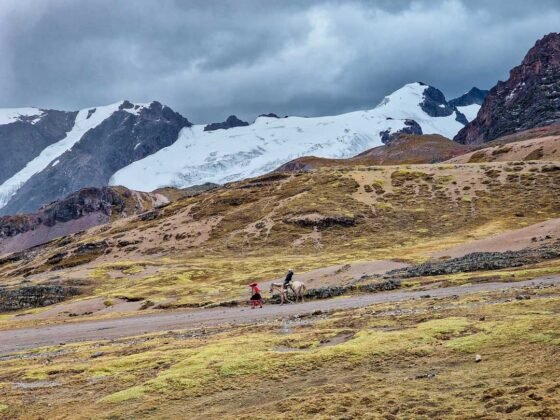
[529,98]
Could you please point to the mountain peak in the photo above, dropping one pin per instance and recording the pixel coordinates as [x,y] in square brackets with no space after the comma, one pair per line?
[230,122]
[418,94]
[474,96]
[545,53]
[90,144]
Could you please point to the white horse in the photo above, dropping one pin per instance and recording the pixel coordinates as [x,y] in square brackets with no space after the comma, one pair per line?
[297,287]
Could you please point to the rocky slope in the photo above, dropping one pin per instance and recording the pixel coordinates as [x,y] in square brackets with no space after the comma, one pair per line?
[529,98]
[81,210]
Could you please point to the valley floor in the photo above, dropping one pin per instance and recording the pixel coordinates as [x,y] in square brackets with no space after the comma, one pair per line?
[20,339]
[400,356]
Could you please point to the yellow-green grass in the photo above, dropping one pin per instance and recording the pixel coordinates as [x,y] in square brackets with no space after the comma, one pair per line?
[410,359]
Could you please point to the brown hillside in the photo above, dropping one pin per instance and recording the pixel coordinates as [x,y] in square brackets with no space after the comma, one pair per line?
[405,149]
[410,149]
[78,211]
[536,144]
[208,247]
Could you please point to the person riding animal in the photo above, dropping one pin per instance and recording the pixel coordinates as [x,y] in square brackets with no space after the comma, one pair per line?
[288,279]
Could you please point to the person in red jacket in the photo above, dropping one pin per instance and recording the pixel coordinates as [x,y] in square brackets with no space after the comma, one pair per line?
[256,298]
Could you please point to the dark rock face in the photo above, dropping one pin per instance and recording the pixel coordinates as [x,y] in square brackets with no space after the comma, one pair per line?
[435,104]
[322,222]
[269,115]
[23,140]
[115,143]
[529,98]
[461,118]
[126,105]
[88,200]
[33,296]
[411,127]
[91,248]
[232,121]
[473,96]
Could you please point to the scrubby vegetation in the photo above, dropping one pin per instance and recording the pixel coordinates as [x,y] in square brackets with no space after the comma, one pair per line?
[207,248]
[414,359]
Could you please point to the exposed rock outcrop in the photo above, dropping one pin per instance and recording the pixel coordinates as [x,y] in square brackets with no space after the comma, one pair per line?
[435,104]
[79,211]
[478,261]
[322,222]
[529,98]
[25,297]
[411,127]
[230,122]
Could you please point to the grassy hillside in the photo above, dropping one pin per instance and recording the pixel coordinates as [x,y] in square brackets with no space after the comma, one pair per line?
[207,248]
[541,148]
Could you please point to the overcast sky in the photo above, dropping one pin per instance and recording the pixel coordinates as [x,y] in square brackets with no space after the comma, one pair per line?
[209,59]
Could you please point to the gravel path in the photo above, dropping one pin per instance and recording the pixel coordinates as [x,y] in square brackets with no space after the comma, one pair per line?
[25,338]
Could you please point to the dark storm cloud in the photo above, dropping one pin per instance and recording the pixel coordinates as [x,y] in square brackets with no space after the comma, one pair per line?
[208,59]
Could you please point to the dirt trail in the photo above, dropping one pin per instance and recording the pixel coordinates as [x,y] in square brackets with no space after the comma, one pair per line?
[513,240]
[19,339]
[340,274]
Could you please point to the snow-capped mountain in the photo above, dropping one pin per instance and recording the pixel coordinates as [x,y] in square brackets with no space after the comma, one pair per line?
[84,121]
[48,154]
[220,156]
[76,150]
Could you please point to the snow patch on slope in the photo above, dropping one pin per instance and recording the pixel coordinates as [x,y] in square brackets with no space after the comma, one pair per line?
[220,156]
[137,108]
[81,125]
[469,111]
[11,115]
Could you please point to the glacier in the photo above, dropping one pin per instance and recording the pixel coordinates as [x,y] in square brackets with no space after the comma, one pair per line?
[221,156]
